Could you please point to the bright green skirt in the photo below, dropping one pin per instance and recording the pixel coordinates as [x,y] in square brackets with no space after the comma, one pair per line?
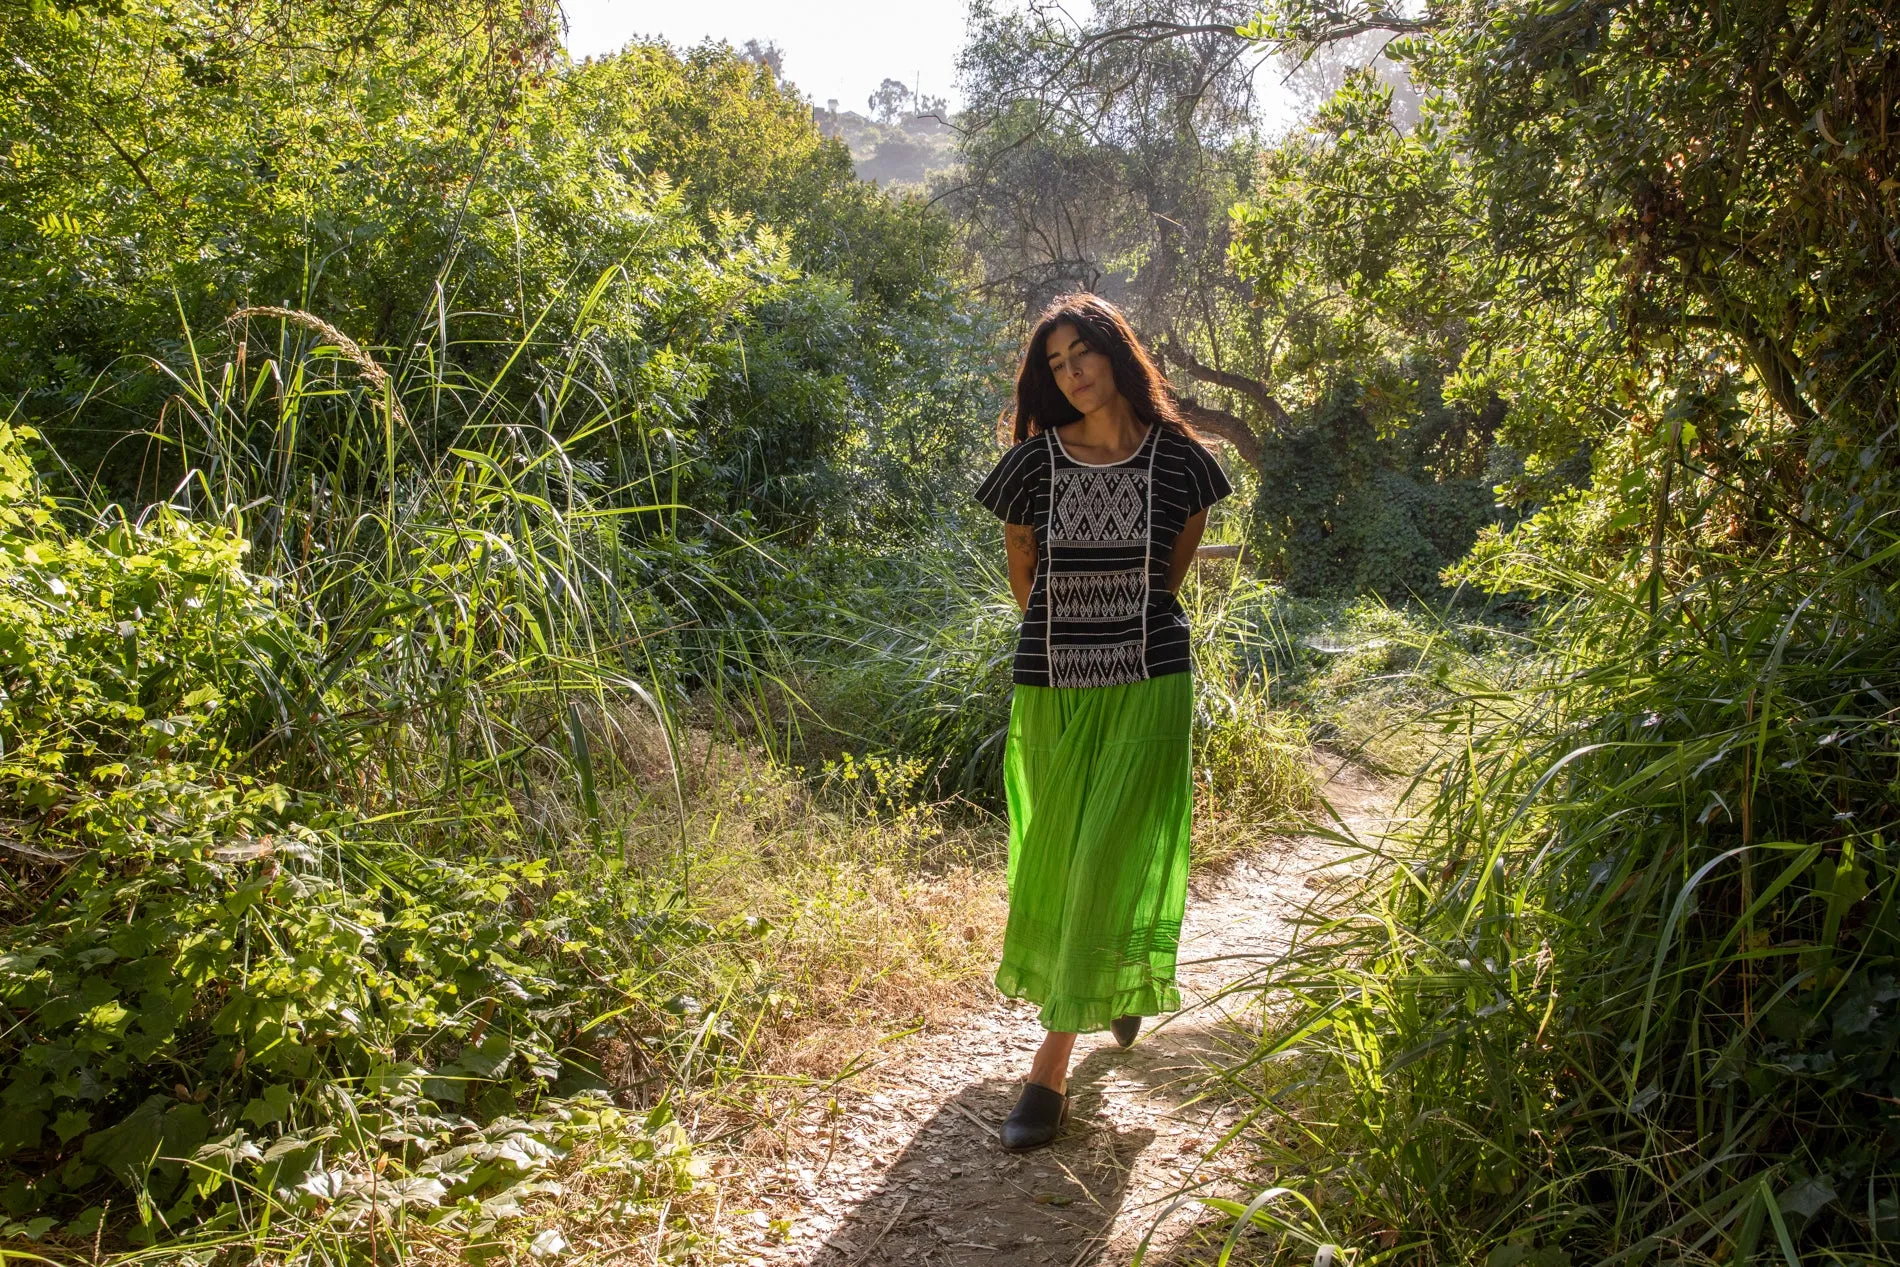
[1100,800]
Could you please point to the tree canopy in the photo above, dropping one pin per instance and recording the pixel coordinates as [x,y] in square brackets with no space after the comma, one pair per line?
[428,175]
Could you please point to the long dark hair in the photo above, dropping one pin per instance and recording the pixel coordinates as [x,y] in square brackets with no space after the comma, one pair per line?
[1041,405]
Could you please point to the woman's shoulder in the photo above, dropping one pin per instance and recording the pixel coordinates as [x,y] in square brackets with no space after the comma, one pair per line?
[1182,446]
[1028,455]
[1016,475]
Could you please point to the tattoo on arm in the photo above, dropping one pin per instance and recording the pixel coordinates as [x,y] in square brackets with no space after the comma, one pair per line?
[1021,540]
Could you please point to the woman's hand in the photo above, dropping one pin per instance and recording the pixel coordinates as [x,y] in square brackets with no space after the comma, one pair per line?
[1021,542]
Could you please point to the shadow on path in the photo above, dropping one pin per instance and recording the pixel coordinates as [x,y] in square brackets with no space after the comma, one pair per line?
[921,1180]
[954,1198]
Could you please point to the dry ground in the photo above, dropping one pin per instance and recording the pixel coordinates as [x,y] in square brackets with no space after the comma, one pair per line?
[900,1165]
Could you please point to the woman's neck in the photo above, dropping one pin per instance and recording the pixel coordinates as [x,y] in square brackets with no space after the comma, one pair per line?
[1111,432]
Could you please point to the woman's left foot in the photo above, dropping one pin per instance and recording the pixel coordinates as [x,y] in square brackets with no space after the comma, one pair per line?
[1125,1028]
[1037,1118]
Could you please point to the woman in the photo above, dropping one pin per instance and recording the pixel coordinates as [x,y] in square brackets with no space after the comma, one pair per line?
[1104,497]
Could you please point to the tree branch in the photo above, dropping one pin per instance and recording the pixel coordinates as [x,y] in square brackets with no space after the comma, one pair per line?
[1154,31]
[1225,425]
[1252,389]
[1775,368]
[122,152]
[1365,26]
[92,120]
[1150,32]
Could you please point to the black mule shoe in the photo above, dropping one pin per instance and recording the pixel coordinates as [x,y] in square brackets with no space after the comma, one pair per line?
[1036,1119]
[1125,1028]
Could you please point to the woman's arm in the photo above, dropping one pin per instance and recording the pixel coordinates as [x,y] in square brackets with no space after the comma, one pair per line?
[1184,547]
[1021,542]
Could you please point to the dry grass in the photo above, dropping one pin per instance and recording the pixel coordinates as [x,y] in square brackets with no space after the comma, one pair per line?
[1253,778]
[879,915]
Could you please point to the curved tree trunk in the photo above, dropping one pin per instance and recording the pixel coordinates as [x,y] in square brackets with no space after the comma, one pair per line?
[1220,423]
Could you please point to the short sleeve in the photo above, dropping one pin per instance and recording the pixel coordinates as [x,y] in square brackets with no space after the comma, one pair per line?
[1009,491]
[1206,482]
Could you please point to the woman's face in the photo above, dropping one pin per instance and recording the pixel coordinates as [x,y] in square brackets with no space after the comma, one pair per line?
[1084,374]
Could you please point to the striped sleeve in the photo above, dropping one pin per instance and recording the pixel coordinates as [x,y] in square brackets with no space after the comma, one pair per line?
[1206,482]
[1009,491]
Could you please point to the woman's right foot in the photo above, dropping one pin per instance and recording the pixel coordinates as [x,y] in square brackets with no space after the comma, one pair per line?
[1125,1028]
[1036,1119]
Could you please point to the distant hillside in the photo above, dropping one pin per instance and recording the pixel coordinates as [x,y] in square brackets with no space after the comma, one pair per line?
[892,154]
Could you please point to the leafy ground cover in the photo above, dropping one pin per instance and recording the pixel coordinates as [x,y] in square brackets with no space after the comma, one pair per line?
[239,1004]
[293,1020]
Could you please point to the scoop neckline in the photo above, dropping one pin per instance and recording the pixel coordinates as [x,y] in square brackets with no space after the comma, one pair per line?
[1055,433]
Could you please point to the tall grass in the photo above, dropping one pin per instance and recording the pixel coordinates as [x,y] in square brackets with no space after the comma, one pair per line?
[1625,989]
[1251,768]
[346,804]
[459,545]
[912,653]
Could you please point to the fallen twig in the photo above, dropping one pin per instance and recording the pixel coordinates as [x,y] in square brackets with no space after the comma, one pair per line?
[889,1223]
[985,1126]
[1092,1243]
[1078,1183]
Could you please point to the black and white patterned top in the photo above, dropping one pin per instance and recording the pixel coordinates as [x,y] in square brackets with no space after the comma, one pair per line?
[1100,613]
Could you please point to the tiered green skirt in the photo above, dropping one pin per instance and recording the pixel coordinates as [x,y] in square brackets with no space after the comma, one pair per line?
[1100,800]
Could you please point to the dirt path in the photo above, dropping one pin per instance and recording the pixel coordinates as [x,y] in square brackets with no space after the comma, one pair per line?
[908,1171]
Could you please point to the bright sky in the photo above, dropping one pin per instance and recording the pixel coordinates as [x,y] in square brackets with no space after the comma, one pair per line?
[833,48]
[839,49]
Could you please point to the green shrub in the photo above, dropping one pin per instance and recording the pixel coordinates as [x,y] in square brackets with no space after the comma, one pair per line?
[1626,986]
[1346,508]
[226,991]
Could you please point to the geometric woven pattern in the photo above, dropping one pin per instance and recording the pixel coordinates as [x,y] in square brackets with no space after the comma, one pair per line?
[1096,595]
[1111,665]
[1106,536]
[1100,507]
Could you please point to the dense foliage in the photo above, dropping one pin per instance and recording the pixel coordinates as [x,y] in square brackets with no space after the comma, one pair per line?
[232,994]
[425,175]
[423,419]
[1119,153]
[1628,992]
[1349,510]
